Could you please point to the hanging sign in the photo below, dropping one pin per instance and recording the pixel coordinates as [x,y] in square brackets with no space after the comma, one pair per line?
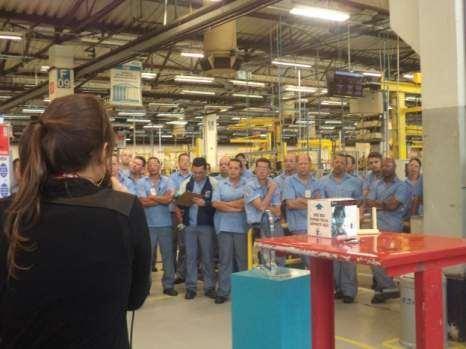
[125,84]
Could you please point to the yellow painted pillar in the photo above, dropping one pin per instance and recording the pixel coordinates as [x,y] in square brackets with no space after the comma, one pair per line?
[401,126]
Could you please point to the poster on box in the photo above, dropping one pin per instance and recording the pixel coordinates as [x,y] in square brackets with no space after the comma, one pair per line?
[333,217]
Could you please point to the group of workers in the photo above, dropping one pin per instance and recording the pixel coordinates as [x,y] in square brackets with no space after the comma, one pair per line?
[226,206]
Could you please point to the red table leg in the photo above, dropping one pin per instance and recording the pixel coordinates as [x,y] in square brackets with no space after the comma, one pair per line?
[429,309]
[323,304]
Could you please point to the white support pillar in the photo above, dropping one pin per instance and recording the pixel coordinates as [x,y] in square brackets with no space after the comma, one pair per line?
[210,139]
[61,74]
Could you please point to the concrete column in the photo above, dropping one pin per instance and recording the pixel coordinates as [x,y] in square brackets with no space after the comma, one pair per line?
[442,38]
[210,139]
[61,74]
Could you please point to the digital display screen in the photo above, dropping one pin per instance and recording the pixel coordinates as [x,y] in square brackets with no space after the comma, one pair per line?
[343,83]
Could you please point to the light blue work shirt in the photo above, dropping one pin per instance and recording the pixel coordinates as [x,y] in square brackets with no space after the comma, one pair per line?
[135,186]
[369,181]
[194,209]
[124,172]
[247,175]
[219,178]
[295,188]
[158,215]
[415,190]
[280,180]
[253,190]
[231,222]
[382,191]
[348,187]
[177,178]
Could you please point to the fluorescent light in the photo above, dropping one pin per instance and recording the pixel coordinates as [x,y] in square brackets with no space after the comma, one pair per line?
[330,102]
[245,95]
[169,115]
[291,64]
[47,100]
[236,118]
[305,122]
[127,139]
[141,121]
[210,106]
[33,110]
[197,92]
[153,126]
[327,127]
[372,74]
[320,13]
[318,113]
[45,68]
[191,78]
[199,117]
[148,75]
[305,89]
[17,117]
[132,113]
[10,36]
[257,110]
[247,83]
[408,76]
[160,104]
[193,54]
[166,136]
[5,97]
[177,122]
[334,122]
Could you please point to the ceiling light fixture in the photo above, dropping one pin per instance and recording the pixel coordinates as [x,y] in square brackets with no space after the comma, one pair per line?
[17,117]
[245,95]
[372,74]
[33,110]
[408,76]
[210,106]
[305,89]
[148,75]
[44,68]
[330,102]
[10,36]
[290,64]
[333,122]
[152,126]
[132,113]
[170,115]
[177,122]
[193,54]
[166,136]
[165,105]
[320,13]
[139,121]
[197,92]
[247,83]
[191,78]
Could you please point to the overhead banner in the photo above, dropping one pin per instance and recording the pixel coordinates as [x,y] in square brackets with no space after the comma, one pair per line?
[61,82]
[125,84]
[5,162]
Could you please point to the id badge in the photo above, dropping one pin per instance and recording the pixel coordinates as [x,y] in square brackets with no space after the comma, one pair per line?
[153,191]
[307,194]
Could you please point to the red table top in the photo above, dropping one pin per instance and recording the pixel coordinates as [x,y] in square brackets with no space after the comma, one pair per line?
[397,253]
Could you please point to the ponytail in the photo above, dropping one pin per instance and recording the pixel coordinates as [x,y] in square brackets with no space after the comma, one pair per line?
[24,210]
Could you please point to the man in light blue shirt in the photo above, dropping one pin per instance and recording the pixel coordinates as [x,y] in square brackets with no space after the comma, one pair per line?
[135,181]
[339,184]
[223,169]
[246,174]
[289,170]
[177,178]
[391,198]
[231,227]
[159,192]
[374,163]
[198,218]
[298,189]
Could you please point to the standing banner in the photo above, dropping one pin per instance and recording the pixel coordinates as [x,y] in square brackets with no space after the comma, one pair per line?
[125,84]
[5,162]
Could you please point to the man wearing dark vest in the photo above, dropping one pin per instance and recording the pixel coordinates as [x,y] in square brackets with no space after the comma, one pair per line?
[199,221]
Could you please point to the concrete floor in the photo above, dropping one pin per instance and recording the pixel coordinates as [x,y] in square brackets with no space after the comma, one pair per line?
[175,323]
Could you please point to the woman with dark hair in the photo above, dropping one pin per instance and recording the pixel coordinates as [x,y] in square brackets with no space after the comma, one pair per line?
[74,254]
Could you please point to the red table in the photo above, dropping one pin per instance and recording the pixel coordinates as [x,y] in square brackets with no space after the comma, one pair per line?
[397,254]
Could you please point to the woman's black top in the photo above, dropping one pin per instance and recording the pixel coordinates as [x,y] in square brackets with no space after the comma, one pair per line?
[87,267]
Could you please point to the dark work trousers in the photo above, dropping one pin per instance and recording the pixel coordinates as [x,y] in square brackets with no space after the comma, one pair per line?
[179,249]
